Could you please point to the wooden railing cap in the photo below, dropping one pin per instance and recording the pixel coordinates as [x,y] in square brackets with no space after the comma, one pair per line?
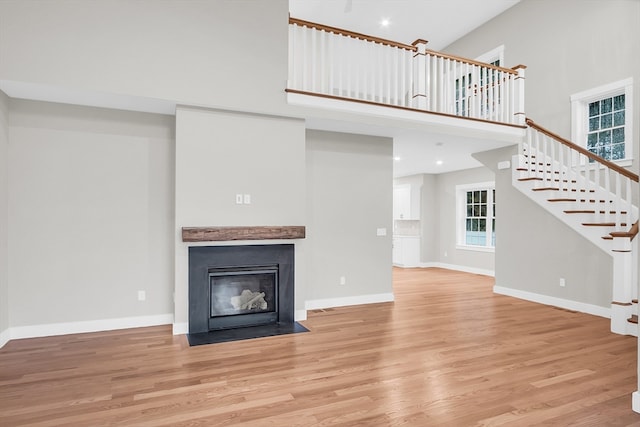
[348,33]
[622,171]
[418,41]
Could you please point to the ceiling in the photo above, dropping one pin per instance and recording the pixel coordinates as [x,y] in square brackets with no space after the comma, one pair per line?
[438,21]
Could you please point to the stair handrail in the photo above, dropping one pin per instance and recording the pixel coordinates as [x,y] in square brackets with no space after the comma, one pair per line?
[623,219]
[622,171]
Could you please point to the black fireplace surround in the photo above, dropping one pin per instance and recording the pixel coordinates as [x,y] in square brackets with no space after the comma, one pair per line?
[218,275]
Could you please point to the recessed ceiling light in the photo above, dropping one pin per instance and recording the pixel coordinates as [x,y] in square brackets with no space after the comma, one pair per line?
[385,22]
[439,162]
[396,158]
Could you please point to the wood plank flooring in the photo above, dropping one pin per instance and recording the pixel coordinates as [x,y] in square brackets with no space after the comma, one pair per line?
[447,352]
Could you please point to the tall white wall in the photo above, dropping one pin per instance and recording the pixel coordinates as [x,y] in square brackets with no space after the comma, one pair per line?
[568,46]
[90,216]
[4,165]
[220,154]
[216,53]
[349,196]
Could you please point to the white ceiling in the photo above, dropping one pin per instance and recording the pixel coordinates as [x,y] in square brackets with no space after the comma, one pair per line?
[441,22]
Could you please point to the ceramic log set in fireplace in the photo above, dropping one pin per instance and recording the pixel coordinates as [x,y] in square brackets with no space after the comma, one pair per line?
[240,292]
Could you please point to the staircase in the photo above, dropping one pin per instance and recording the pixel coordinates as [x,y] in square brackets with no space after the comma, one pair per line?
[592,196]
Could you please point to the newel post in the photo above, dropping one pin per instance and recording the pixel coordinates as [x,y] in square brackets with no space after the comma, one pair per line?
[519,112]
[419,87]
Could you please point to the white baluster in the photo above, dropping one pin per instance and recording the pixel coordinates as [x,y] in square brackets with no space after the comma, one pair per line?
[628,204]
[402,99]
[562,184]
[429,75]
[441,101]
[618,202]
[607,191]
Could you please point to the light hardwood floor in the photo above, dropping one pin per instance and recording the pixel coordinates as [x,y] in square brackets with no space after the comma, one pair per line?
[447,352]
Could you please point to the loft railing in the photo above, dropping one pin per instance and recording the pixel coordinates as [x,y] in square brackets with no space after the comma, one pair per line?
[340,64]
[559,164]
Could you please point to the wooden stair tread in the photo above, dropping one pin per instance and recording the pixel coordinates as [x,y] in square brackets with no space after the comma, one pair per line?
[534,178]
[625,234]
[588,211]
[633,319]
[561,200]
[573,190]
[603,224]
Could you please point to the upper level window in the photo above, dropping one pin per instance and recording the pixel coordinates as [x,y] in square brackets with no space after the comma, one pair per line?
[605,136]
[476,209]
[601,121]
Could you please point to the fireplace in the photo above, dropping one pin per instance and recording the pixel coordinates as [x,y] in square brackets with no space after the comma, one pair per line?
[243,296]
[240,292]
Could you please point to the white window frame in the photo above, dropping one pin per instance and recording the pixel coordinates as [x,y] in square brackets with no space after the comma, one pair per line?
[461,215]
[493,55]
[580,114]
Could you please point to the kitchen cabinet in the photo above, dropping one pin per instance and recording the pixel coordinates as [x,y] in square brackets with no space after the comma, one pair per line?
[406,202]
[406,251]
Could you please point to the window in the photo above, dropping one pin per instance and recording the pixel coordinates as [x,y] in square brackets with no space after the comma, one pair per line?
[601,121]
[476,209]
[605,136]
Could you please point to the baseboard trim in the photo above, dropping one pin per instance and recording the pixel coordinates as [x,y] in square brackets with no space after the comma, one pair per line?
[554,301]
[635,401]
[300,315]
[52,329]
[180,328]
[455,267]
[317,304]
[5,336]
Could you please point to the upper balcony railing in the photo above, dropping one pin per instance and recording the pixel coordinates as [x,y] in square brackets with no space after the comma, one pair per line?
[335,63]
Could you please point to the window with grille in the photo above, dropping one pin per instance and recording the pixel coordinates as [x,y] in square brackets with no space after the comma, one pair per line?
[601,121]
[606,128]
[476,212]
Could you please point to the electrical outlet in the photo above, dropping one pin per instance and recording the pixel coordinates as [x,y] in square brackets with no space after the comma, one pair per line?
[343,280]
[247,199]
[142,295]
[238,199]
[562,282]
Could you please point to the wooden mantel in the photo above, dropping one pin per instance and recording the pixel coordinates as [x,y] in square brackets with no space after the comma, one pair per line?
[218,234]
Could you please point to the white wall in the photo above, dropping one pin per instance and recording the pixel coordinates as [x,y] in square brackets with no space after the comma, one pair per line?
[4,164]
[90,215]
[430,219]
[216,53]
[575,52]
[568,46]
[220,154]
[534,249]
[349,196]
[448,252]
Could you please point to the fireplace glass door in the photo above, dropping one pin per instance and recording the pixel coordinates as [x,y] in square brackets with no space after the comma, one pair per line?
[243,296]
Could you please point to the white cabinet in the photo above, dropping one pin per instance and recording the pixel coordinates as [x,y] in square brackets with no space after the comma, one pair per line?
[396,254]
[406,251]
[406,202]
